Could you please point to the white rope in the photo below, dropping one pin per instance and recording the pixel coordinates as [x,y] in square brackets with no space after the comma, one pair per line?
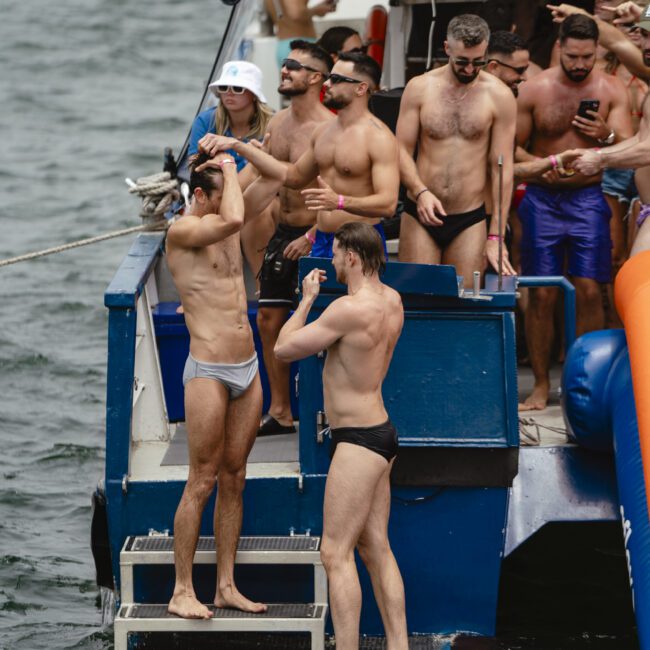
[80,242]
[158,192]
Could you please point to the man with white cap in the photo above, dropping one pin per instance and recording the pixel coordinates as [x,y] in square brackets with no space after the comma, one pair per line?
[634,152]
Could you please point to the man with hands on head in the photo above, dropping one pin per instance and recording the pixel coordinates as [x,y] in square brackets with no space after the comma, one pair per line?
[359,332]
[223,395]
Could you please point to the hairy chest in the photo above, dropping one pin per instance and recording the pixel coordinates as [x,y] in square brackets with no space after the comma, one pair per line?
[291,140]
[441,120]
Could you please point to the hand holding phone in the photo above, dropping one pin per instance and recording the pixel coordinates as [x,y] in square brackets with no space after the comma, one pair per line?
[588,105]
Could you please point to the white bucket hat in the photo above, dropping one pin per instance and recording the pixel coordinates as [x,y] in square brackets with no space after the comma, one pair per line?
[240,73]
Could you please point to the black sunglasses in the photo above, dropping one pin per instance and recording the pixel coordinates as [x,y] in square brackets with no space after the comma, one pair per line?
[339,79]
[463,62]
[292,64]
[363,49]
[518,69]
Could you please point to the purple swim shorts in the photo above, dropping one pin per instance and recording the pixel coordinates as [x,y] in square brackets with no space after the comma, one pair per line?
[566,224]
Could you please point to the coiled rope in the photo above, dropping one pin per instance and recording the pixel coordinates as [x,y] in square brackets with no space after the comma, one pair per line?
[158,193]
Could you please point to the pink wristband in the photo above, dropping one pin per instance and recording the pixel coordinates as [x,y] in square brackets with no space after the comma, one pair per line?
[226,161]
[341,204]
[309,237]
[494,237]
[554,162]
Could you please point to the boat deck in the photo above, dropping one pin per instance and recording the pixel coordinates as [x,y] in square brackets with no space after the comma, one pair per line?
[278,455]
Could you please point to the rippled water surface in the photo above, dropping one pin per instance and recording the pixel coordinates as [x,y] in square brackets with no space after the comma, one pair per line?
[91,91]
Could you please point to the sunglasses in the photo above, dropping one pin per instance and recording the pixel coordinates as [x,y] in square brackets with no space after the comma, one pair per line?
[340,79]
[363,49]
[518,69]
[462,62]
[235,90]
[292,64]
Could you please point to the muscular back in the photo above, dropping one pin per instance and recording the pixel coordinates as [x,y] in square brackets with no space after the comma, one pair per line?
[290,138]
[210,283]
[358,362]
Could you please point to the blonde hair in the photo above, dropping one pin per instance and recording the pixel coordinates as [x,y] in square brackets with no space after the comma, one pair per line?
[260,119]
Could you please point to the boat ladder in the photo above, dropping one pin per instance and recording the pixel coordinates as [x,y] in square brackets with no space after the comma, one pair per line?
[135,617]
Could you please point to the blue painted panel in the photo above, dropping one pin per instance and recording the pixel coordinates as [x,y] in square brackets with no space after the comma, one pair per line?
[119,390]
[127,283]
[447,542]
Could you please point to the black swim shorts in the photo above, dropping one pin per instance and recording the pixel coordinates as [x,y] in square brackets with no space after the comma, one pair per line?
[452,224]
[381,438]
[279,275]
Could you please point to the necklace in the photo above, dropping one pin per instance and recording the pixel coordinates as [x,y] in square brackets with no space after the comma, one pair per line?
[457,99]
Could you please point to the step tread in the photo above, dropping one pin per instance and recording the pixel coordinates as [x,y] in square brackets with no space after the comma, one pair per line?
[275,611]
[159,543]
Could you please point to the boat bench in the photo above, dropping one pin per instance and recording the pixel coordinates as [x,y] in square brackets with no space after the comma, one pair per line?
[281,617]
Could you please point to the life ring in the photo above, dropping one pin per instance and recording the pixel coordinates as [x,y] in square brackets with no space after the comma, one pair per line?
[375,37]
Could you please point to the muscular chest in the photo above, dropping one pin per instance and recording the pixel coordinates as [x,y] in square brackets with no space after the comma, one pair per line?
[440,120]
[346,152]
[291,141]
[224,258]
[553,117]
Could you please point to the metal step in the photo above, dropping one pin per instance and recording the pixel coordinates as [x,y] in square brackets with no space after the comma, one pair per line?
[280,617]
[159,549]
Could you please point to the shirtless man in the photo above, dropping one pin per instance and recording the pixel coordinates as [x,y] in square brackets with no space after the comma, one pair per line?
[359,332]
[462,120]
[290,130]
[223,395]
[354,157]
[567,215]
[635,151]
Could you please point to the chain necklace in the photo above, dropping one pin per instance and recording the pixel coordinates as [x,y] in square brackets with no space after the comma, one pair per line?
[459,99]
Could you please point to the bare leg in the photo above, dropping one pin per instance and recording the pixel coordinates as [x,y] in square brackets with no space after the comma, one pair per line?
[590,315]
[467,252]
[349,493]
[269,323]
[205,408]
[376,554]
[255,236]
[415,244]
[539,336]
[242,422]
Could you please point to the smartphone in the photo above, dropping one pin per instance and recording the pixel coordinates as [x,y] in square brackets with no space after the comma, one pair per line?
[588,105]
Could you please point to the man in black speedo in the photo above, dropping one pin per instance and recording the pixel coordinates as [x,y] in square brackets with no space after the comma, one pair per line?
[359,332]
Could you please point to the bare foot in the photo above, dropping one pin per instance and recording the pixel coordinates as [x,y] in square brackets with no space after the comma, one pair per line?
[537,400]
[231,598]
[187,606]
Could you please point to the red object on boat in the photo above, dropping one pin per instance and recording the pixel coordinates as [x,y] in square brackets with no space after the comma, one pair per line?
[375,37]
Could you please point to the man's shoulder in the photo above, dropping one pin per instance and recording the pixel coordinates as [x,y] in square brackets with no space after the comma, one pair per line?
[417,85]
[496,88]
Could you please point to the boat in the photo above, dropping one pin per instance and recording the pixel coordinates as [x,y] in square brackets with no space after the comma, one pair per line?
[467,495]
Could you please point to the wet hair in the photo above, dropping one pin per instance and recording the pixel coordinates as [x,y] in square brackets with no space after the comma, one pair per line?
[314,50]
[333,38]
[364,240]
[580,27]
[207,179]
[363,64]
[469,29]
[504,42]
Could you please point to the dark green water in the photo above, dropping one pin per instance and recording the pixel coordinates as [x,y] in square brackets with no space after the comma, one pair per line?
[91,91]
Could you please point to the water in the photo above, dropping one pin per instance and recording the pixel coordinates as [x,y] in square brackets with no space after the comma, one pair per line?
[91,92]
